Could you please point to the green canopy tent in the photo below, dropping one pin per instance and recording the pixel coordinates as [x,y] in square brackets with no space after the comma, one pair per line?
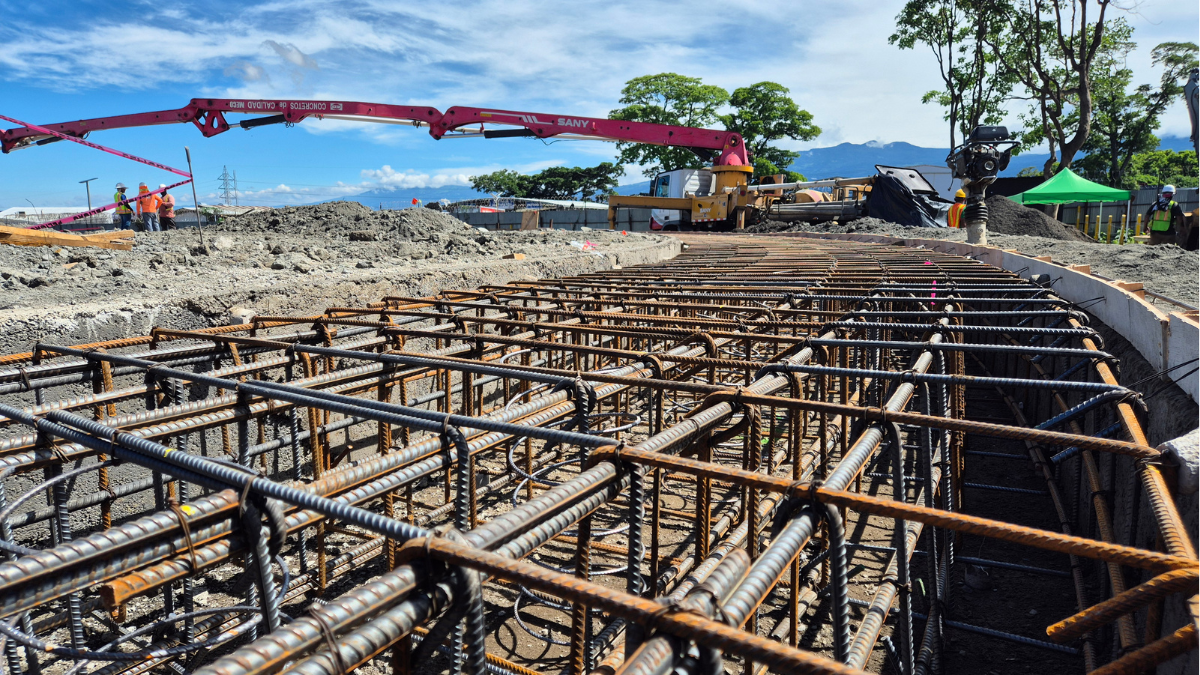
[1066,188]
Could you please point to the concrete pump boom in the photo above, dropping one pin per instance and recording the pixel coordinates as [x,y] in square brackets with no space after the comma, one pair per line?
[723,148]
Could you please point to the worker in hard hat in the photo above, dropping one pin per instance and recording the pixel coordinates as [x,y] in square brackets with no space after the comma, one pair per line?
[166,209]
[1163,215]
[124,211]
[147,208]
[954,217]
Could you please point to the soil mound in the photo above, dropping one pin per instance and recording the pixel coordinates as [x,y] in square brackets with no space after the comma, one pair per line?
[349,220]
[776,226]
[861,225]
[1004,217]
[1168,269]
[1008,217]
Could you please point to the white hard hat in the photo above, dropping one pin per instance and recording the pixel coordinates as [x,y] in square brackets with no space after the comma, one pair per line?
[142,184]
[120,186]
[1168,188]
[162,185]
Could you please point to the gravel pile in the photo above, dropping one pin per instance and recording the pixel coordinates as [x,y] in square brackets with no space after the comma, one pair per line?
[1167,270]
[1004,217]
[283,249]
[349,219]
[1008,217]
[860,225]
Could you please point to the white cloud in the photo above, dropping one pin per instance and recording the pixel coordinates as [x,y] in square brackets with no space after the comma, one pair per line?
[533,56]
[284,194]
[247,72]
[289,52]
[387,177]
[384,178]
[633,174]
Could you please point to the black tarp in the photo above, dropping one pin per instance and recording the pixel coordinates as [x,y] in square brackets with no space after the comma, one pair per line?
[893,201]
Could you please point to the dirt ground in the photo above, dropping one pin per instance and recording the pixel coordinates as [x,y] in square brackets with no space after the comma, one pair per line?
[288,245]
[297,260]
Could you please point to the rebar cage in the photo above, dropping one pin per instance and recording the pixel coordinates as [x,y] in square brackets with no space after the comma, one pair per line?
[765,454]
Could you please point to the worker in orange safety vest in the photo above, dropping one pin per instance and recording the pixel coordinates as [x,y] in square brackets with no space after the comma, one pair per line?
[954,217]
[147,208]
[166,209]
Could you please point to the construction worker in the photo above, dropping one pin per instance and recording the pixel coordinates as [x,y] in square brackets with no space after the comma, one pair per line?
[166,209]
[954,217]
[1162,217]
[147,208]
[124,211]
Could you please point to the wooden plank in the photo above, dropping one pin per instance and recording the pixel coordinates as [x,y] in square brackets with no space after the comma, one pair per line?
[1135,287]
[19,236]
[107,235]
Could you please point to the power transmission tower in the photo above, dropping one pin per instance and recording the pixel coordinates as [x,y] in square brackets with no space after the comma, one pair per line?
[235,188]
[228,186]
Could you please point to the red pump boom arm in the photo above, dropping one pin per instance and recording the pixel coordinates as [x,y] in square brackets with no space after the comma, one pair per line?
[208,115]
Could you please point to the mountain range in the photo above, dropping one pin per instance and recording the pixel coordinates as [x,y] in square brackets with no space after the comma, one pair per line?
[851,160]
[843,160]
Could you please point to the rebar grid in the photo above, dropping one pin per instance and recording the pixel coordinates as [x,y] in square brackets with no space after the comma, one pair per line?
[751,457]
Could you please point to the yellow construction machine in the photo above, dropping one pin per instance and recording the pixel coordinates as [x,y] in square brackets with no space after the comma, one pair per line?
[720,198]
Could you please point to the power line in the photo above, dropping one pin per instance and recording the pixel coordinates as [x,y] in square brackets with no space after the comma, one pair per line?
[228,186]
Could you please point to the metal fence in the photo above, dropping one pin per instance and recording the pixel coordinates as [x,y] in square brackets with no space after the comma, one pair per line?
[1139,204]
[633,220]
[99,221]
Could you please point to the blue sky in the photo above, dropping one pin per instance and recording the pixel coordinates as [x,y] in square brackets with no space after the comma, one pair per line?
[63,61]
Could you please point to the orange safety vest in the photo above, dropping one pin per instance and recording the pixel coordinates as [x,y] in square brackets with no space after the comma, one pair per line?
[147,204]
[954,218]
[166,206]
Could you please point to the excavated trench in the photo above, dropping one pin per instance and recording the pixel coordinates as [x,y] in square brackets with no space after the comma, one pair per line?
[765,454]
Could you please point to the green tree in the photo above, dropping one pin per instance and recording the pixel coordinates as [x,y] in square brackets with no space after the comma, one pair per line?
[1117,110]
[1160,167]
[667,98]
[1126,119]
[556,182]
[599,181]
[560,182]
[502,183]
[968,39]
[763,113]
[1055,45]
[765,167]
[1030,172]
